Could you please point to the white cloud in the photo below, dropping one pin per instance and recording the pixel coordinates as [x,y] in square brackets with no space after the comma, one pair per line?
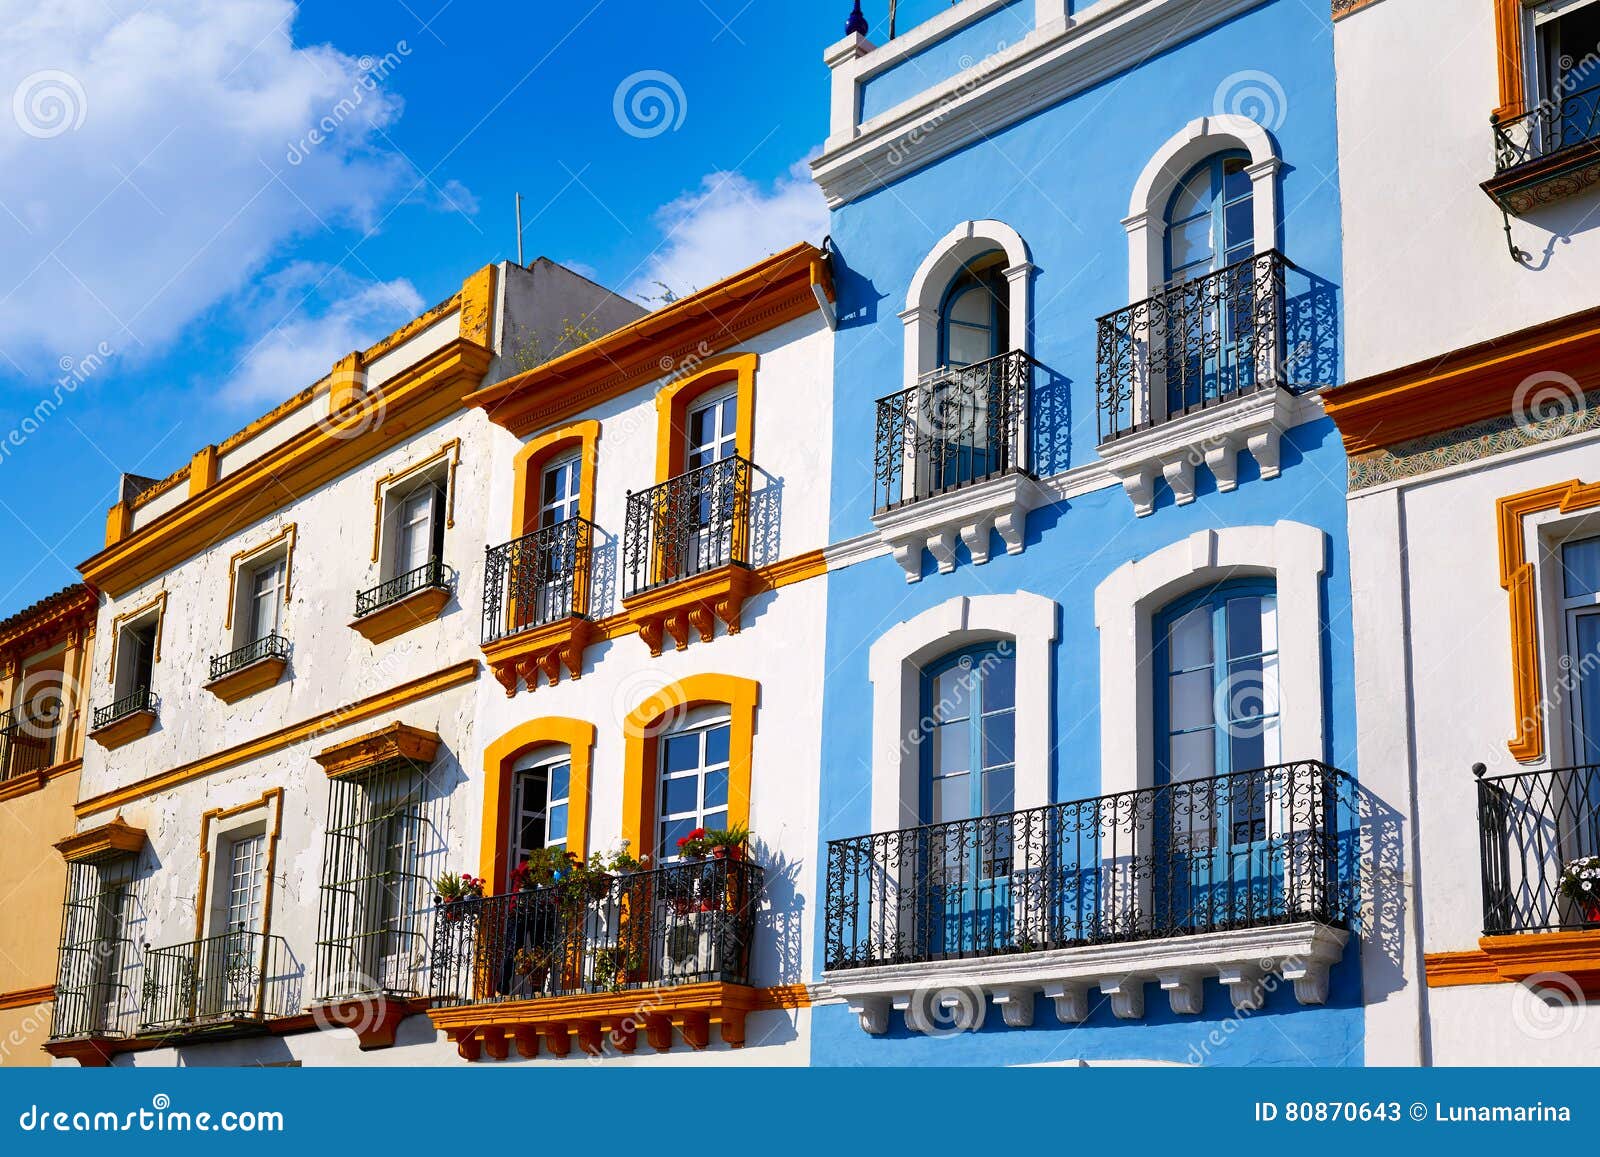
[327,313]
[728,223]
[151,164]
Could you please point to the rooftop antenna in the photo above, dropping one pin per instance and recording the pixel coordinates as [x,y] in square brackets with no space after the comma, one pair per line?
[519,228]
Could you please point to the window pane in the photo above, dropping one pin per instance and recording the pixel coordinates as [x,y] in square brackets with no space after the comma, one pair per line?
[1191,242]
[999,740]
[952,694]
[1244,626]
[716,789]
[1239,225]
[1235,181]
[717,745]
[1193,756]
[952,799]
[1194,198]
[1580,561]
[1588,725]
[1000,684]
[671,832]
[973,306]
[680,796]
[997,792]
[559,775]
[968,344]
[558,822]
[682,752]
[1191,704]
[1189,640]
[715,821]
[952,748]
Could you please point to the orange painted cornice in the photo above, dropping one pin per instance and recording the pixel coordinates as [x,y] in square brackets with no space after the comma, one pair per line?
[52,618]
[426,393]
[1521,958]
[669,341]
[1466,386]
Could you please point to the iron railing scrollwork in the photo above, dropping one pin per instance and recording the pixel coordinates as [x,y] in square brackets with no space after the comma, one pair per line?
[230,977]
[536,579]
[429,574]
[97,960]
[26,744]
[1557,124]
[1243,850]
[266,647]
[958,426]
[1195,345]
[135,701]
[685,923]
[688,525]
[1532,824]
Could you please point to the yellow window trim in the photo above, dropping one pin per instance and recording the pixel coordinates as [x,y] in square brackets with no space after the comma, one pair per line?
[238,561]
[674,399]
[498,761]
[654,718]
[451,452]
[159,605]
[583,436]
[273,798]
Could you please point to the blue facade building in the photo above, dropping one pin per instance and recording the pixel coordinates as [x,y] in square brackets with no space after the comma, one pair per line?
[1088,786]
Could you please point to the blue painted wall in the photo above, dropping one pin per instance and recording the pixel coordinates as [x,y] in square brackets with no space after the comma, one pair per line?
[946,57]
[1063,179]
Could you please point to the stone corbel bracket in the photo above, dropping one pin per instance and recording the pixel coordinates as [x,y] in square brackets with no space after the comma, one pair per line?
[952,996]
[1254,422]
[969,516]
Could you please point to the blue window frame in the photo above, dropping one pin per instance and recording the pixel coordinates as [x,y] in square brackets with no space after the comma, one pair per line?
[974,315]
[1211,218]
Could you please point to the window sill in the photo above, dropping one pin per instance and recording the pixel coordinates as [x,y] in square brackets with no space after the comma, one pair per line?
[1244,960]
[548,647]
[247,680]
[421,606]
[601,1019]
[967,515]
[125,729]
[1523,188]
[1253,422]
[374,1017]
[698,602]
[1521,957]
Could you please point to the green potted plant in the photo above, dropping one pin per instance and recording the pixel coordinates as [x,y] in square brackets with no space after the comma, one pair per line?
[534,964]
[1580,883]
[451,891]
[728,843]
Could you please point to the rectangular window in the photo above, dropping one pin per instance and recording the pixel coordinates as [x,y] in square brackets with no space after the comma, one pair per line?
[94,993]
[266,600]
[1567,71]
[540,816]
[1580,602]
[419,531]
[246,882]
[136,656]
[694,784]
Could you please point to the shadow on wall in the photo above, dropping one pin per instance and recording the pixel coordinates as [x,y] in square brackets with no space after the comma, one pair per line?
[1374,868]
[766,520]
[1310,332]
[1050,423]
[780,923]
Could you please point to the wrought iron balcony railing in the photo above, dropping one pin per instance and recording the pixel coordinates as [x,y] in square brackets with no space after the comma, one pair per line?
[25,744]
[1199,344]
[958,426]
[688,525]
[224,979]
[135,701]
[1531,825]
[1242,850]
[686,923]
[97,961]
[266,647]
[539,578]
[429,574]
[1566,121]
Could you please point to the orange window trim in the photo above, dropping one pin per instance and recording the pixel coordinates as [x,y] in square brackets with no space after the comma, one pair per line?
[531,460]
[498,761]
[674,399]
[655,717]
[1508,31]
[1518,579]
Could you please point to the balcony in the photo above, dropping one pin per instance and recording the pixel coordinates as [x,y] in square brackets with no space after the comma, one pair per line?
[26,745]
[951,462]
[536,604]
[1205,370]
[222,983]
[660,950]
[126,719]
[686,554]
[408,600]
[1547,154]
[1231,878]
[257,665]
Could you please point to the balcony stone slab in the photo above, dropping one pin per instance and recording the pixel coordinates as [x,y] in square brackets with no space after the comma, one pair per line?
[967,516]
[1215,437]
[953,995]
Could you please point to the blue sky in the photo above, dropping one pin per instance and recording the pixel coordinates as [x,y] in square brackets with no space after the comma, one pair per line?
[177,254]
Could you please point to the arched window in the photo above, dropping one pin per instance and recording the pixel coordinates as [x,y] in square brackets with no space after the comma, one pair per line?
[1211,218]
[974,323]
[969,762]
[541,790]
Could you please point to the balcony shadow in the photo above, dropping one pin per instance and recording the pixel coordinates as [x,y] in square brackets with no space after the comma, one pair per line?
[780,922]
[766,520]
[1050,423]
[1311,332]
[1372,866]
[603,555]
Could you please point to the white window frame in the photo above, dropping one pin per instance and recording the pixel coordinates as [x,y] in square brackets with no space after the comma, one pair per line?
[146,625]
[397,500]
[699,722]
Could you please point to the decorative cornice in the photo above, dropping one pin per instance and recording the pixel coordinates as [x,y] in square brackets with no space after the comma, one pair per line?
[1521,958]
[396,742]
[99,843]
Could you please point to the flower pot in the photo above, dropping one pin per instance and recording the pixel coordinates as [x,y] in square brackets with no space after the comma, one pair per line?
[680,905]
